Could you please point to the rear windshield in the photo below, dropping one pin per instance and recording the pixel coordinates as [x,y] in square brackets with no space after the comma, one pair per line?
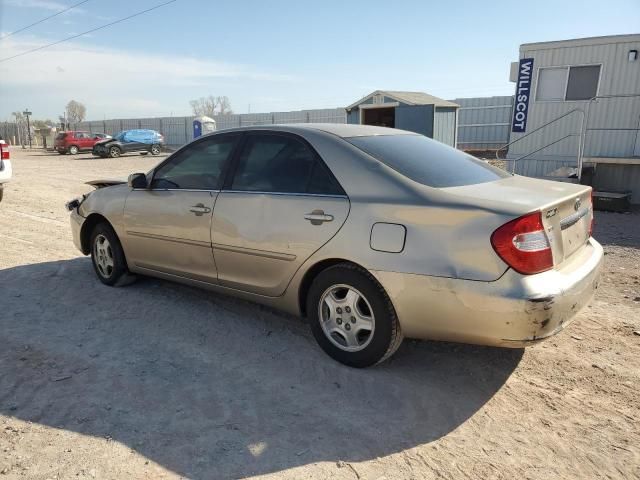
[427,161]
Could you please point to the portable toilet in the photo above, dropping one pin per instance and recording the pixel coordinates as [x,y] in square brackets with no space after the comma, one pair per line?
[203,125]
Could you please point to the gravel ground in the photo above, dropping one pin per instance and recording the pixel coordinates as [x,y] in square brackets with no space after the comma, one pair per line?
[158,380]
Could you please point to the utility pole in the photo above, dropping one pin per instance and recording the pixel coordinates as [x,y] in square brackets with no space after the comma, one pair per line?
[17,115]
[26,113]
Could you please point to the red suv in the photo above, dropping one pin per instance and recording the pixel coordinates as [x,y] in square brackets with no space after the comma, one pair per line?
[74,142]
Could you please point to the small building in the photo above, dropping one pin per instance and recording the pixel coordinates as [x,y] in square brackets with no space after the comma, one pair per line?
[576,112]
[414,111]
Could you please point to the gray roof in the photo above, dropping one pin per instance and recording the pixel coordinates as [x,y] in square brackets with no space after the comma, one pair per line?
[343,130]
[410,98]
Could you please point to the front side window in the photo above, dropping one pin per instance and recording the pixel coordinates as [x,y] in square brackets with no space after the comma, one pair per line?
[198,166]
[281,164]
[427,161]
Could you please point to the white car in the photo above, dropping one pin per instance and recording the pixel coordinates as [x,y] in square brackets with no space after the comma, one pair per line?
[5,166]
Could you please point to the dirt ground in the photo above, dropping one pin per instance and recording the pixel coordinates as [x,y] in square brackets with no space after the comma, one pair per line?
[158,380]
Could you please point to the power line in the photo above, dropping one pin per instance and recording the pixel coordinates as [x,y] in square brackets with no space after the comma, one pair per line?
[88,31]
[43,20]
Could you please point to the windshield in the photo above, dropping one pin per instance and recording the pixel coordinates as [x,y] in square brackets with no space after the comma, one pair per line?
[119,136]
[427,161]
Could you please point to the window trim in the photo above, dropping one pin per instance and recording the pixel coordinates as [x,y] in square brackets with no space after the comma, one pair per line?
[151,175]
[228,181]
[566,81]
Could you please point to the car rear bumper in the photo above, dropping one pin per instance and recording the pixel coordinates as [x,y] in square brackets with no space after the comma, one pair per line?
[514,311]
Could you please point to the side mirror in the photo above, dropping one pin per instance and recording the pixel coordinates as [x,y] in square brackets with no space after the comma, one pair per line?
[137,180]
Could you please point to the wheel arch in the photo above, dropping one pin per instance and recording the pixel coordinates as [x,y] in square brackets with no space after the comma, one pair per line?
[311,274]
[87,227]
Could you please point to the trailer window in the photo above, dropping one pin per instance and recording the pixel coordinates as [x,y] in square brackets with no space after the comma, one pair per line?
[557,84]
[583,82]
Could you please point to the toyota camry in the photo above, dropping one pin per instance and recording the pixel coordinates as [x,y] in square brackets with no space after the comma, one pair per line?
[373,234]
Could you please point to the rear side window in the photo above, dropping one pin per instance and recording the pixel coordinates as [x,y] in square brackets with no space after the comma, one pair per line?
[427,161]
[282,164]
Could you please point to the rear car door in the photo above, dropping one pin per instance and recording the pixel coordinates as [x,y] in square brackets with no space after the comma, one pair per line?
[279,205]
[168,226]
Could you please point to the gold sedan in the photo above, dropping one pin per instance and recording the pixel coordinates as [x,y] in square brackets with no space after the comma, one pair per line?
[373,234]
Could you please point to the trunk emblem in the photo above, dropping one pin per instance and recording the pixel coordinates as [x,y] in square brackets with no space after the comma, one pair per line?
[577,205]
[551,213]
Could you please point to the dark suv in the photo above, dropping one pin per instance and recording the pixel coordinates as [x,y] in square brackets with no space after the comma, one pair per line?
[143,141]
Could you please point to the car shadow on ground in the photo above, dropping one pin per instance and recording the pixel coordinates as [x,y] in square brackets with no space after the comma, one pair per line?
[213,387]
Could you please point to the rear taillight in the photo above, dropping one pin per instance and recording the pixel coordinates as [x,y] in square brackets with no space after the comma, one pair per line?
[5,152]
[523,244]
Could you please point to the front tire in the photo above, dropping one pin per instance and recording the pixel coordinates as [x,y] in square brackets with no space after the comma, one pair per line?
[351,316]
[73,150]
[114,152]
[107,255]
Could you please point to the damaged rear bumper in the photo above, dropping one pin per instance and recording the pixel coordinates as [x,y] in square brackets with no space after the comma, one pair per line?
[513,311]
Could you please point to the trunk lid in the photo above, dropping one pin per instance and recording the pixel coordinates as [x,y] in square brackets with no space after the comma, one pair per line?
[566,208]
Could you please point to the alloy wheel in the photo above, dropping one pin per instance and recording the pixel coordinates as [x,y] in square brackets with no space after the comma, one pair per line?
[346,318]
[103,256]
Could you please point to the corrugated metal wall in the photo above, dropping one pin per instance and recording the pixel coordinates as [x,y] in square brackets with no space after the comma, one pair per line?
[179,130]
[618,76]
[483,122]
[480,122]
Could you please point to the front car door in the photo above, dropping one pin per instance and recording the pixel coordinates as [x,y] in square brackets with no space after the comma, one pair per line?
[280,204]
[168,226]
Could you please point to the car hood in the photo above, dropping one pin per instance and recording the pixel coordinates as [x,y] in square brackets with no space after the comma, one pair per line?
[105,141]
[98,184]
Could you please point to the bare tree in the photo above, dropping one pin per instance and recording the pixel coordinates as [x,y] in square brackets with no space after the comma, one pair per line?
[224,105]
[76,112]
[211,106]
[204,106]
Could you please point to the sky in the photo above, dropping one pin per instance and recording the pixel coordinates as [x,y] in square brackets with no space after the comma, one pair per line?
[275,55]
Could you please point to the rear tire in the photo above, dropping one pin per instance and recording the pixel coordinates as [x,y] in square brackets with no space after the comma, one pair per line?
[351,316]
[155,149]
[114,152]
[107,255]
[73,150]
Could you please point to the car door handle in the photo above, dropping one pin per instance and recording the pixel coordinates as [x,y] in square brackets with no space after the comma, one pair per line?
[317,217]
[199,209]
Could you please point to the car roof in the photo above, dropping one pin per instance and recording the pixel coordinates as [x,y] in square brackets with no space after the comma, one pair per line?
[339,129]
